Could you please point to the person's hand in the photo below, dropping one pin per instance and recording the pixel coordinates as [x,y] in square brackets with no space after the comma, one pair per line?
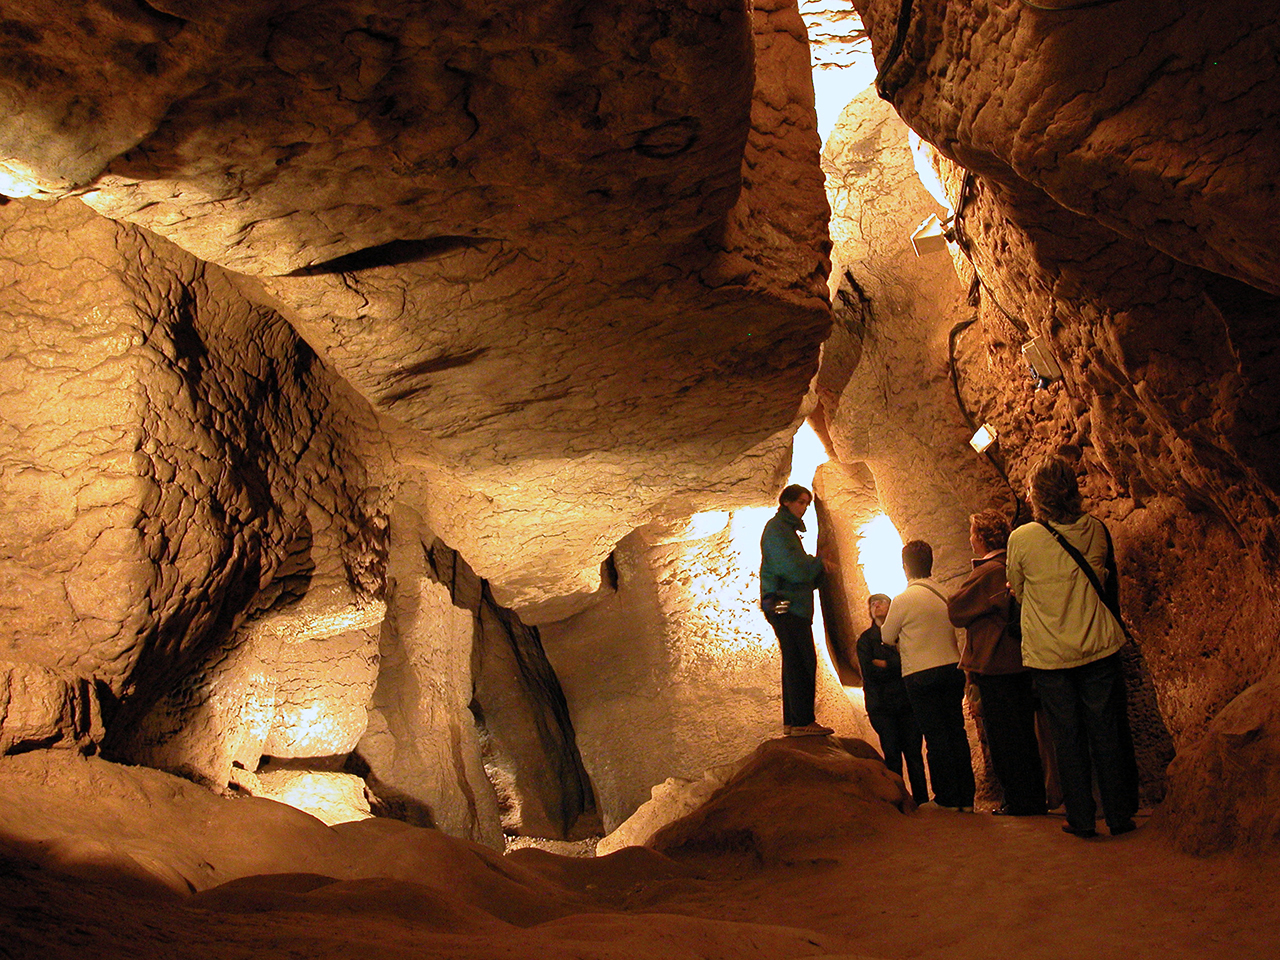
[882,664]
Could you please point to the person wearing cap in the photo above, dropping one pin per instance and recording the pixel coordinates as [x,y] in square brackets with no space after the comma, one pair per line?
[888,708]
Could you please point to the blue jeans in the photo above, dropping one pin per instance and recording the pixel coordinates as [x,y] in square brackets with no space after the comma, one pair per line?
[1087,713]
[799,667]
[937,699]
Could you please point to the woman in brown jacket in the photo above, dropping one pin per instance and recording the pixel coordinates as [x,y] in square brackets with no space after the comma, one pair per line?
[993,659]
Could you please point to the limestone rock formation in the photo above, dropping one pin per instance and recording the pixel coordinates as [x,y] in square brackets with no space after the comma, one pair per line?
[468,727]
[534,276]
[178,466]
[1222,788]
[421,745]
[548,249]
[885,389]
[1116,213]
[674,798]
[40,708]
[330,796]
[676,671]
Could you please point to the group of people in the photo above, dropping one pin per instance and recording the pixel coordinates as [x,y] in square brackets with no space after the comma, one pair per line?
[1042,632]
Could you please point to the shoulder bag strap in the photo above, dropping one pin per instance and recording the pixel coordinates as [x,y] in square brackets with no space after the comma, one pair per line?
[931,590]
[1108,602]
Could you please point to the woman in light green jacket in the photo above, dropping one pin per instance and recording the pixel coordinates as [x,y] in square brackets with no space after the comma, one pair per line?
[1071,641]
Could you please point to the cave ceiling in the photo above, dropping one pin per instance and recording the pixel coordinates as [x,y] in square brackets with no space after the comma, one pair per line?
[572,255]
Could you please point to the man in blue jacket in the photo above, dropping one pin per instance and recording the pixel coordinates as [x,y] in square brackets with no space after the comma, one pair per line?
[788,577]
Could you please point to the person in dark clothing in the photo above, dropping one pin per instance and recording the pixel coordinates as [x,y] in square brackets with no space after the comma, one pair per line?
[992,656]
[788,577]
[888,708]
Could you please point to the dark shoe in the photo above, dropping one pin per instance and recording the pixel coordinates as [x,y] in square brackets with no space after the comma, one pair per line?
[1125,827]
[808,730]
[1086,833]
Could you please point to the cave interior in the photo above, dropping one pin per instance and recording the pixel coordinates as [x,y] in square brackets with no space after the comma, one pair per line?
[392,396]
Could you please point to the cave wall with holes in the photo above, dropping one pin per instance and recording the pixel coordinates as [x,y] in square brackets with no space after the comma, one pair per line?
[292,298]
[1116,181]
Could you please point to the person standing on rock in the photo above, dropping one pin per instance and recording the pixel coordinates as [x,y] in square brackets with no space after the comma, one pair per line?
[992,656]
[885,696]
[1062,571]
[919,626]
[788,577]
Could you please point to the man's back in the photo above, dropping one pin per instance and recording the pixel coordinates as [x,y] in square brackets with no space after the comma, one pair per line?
[918,624]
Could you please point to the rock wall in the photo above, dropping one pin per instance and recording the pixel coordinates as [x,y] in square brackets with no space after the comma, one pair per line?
[468,729]
[178,468]
[887,400]
[676,671]
[1114,189]
[546,241]
[533,275]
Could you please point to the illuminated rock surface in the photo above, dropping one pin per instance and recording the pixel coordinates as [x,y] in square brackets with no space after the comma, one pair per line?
[676,670]
[548,251]
[842,786]
[531,283]
[371,376]
[1129,220]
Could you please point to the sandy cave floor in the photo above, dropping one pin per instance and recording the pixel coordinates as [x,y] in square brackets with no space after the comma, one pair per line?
[931,885]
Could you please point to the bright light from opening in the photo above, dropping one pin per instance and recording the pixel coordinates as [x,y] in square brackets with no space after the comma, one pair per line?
[807,455]
[706,524]
[880,554]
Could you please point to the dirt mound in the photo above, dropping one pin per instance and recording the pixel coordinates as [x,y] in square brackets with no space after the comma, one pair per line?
[791,793]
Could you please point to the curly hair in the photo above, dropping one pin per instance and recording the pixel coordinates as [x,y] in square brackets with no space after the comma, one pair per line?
[1055,495]
[991,527]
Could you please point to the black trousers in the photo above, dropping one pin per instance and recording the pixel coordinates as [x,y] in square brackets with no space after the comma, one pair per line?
[1087,713]
[901,740]
[937,699]
[799,667]
[1009,717]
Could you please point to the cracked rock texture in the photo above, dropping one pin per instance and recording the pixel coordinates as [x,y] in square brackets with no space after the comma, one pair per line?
[532,274]
[887,401]
[1160,127]
[548,241]
[1222,788]
[179,467]
[1121,205]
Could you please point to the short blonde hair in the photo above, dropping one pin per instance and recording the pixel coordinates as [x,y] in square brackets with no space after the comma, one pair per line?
[1055,495]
